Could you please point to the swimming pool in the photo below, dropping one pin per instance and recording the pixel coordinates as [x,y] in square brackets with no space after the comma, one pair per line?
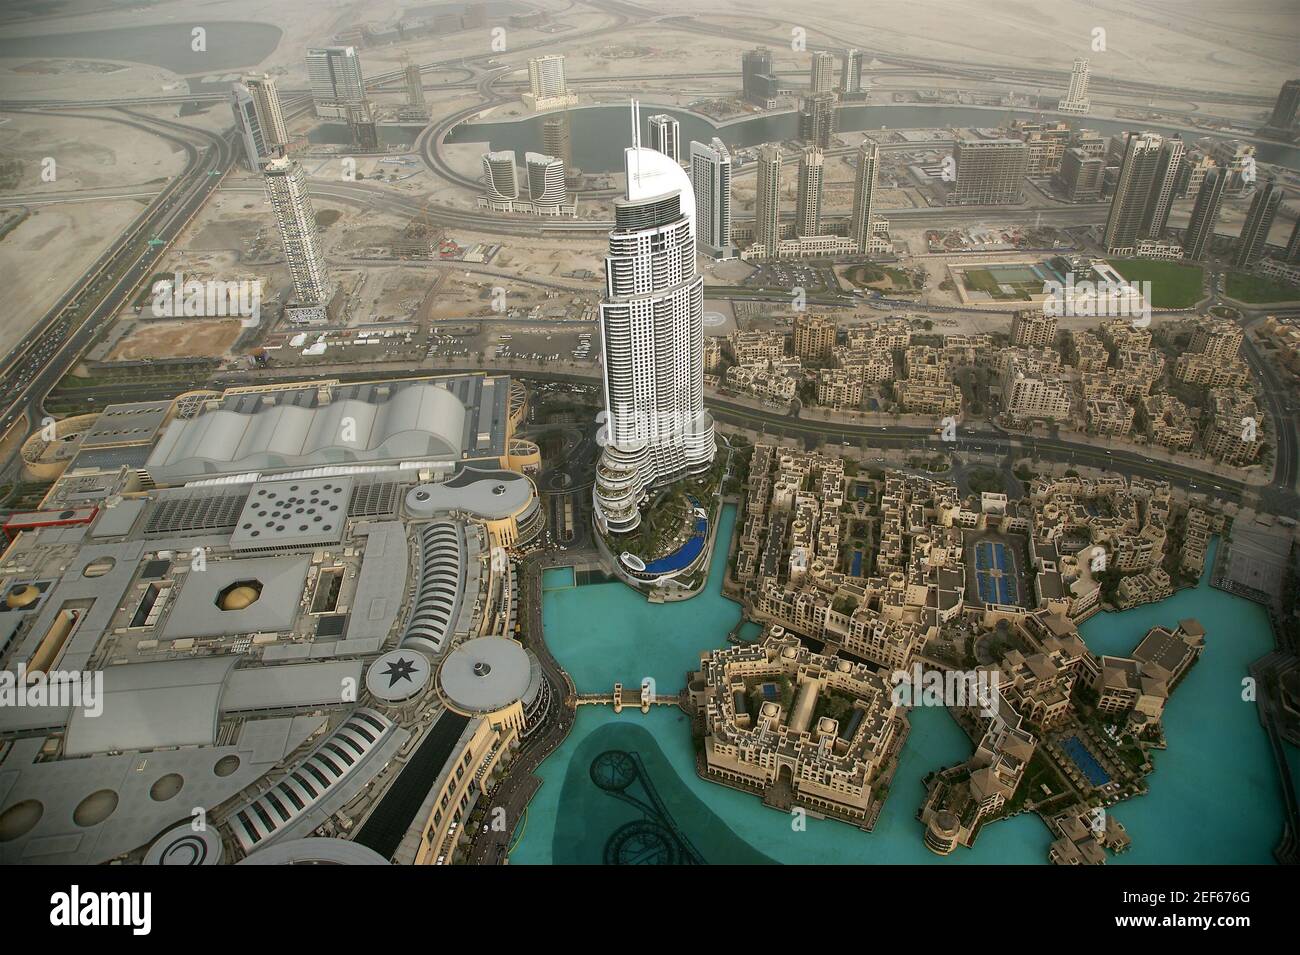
[1086,762]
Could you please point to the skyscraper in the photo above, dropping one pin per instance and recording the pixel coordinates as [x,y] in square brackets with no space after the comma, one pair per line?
[1259,219]
[652,323]
[1205,214]
[557,139]
[864,194]
[547,187]
[286,187]
[666,136]
[336,82]
[501,178]
[1076,98]
[1283,118]
[822,75]
[767,201]
[1164,184]
[1293,245]
[758,82]
[266,100]
[851,73]
[1137,177]
[247,122]
[711,180]
[817,120]
[547,86]
[989,171]
[807,219]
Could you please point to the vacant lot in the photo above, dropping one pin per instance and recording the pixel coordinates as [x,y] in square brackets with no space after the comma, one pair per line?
[195,338]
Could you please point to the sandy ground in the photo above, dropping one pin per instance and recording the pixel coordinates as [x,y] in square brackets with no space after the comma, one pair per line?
[39,257]
[195,337]
[88,154]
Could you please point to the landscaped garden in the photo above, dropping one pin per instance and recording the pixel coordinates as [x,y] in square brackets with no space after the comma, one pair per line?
[1173,284]
[1245,287]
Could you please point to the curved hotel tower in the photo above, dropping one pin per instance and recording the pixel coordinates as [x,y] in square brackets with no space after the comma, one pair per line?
[652,323]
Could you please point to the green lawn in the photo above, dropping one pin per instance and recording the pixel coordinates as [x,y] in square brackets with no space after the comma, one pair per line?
[1173,284]
[1256,288]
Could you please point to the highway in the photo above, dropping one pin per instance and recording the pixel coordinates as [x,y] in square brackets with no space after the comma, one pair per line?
[58,341]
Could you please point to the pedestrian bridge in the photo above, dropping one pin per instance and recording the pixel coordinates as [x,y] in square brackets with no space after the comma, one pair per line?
[645,698]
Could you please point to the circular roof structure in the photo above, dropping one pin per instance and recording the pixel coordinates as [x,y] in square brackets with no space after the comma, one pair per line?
[485,675]
[24,595]
[184,846]
[323,851]
[398,675]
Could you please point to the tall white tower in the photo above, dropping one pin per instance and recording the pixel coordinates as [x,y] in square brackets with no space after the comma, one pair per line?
[286,187]
[266,100]
[666,136]
[546,182]
[822,73]
[546,83]
[652,328]
[711,179]
[501,179]
[1076,99]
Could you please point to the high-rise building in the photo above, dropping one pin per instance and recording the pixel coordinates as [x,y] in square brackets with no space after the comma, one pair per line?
[767,199]
[547,187]
[1031,328]
[851,73]
[1205,215]
[817,120]
[286,187]
[814,337]
[1293,245]
[1164,185]
[711,180]
[652,331]
[557,138]
[1259,219]
[1137,179]
[808,214]
[1284,110]
[989,171]
[336,82]
[266,100]
[501,178]
[1081,175]
[256,150]
[666,136]
[758,82]
[1076,98]
[822,74]
[864,195]
[546,83]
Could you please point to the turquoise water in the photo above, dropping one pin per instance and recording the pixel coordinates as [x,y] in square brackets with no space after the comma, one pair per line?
[1214,795]
[604,633]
